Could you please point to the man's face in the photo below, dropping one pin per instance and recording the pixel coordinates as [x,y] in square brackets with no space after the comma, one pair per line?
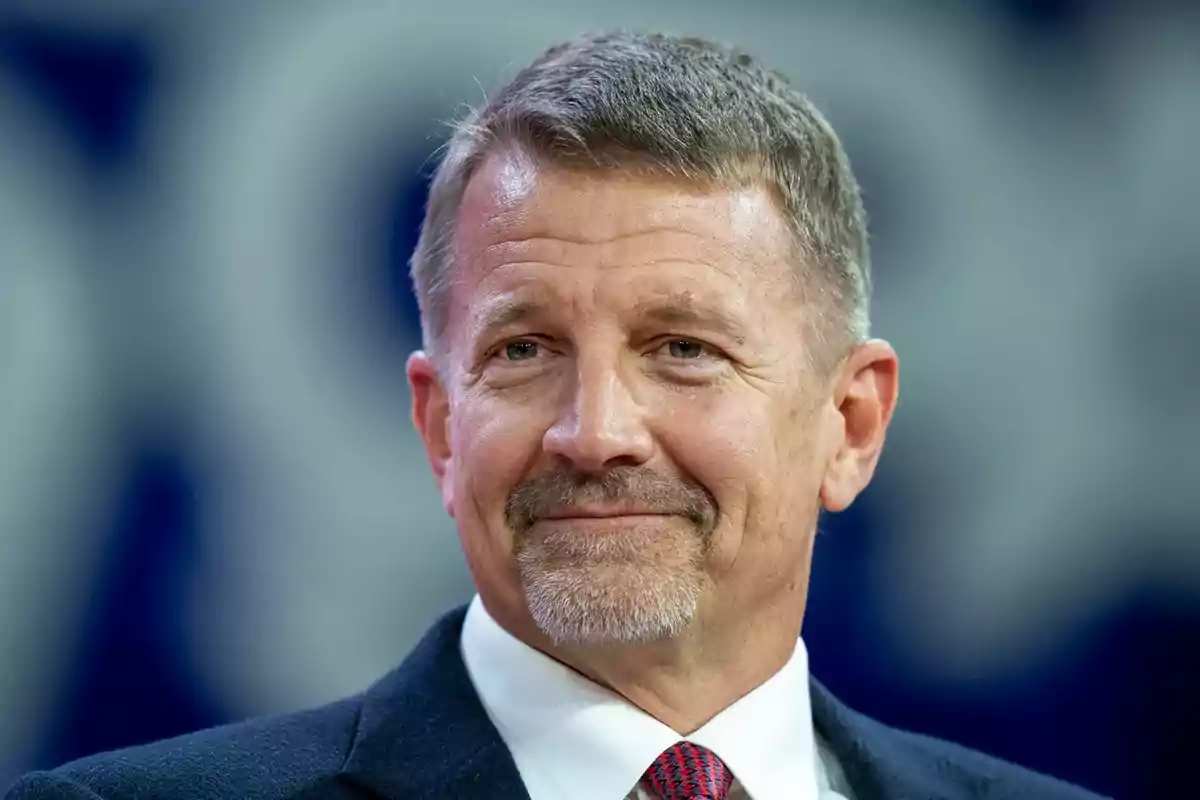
[628,435]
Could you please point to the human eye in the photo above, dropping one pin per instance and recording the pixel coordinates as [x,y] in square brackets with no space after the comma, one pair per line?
[685,349]
[681,348]
[519,350]
[516,361]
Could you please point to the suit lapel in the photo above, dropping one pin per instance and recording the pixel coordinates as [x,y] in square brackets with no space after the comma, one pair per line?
[879,763]
[424,734]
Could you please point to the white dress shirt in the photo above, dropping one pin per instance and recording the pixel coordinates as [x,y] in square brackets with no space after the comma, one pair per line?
[571,737]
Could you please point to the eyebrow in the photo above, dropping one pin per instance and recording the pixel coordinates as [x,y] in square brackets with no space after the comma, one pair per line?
[504,313]
[682,309]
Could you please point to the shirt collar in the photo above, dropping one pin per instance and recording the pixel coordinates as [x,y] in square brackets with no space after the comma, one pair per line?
[572,737]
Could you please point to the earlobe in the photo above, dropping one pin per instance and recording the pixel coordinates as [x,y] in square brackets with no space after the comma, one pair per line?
[837,491]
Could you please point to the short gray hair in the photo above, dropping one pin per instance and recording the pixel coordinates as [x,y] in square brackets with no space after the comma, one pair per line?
[672,106]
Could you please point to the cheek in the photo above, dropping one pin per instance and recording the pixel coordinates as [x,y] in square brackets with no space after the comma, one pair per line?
[493,449]
[753,458]
[728,447]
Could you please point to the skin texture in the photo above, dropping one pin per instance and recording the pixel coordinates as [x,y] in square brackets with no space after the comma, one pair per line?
[628,431]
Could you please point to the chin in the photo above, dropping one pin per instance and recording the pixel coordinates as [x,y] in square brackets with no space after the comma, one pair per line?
[634,585]
[595,606]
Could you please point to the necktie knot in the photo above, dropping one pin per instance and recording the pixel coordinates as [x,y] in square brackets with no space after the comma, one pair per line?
[688,771]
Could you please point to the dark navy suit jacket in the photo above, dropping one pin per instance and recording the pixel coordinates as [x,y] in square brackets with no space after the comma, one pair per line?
[421,733]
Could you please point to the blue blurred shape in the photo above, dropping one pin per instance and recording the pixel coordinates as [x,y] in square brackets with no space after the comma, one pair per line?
[405,199]
[96,85]
[132,683]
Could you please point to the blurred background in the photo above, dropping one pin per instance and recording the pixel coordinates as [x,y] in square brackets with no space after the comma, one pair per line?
[212,504]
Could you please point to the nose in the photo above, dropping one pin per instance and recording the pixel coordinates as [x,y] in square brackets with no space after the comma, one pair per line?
[601,425]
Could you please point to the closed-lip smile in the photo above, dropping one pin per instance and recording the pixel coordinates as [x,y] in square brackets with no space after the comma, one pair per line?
[599,512]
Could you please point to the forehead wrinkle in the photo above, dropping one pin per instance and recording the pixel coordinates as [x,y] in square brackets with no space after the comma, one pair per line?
[639,248]
[487,269]
[517,304]
[515,200]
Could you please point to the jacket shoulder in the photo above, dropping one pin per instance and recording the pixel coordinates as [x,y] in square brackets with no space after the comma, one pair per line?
[881,761]
[951,770]
[276,757]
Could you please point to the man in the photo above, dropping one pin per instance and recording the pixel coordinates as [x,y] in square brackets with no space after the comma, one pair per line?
[643,279]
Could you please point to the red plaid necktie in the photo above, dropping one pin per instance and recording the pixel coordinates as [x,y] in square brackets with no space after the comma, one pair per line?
[688,772]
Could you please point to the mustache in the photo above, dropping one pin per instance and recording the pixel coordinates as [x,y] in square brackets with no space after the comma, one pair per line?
[639,487]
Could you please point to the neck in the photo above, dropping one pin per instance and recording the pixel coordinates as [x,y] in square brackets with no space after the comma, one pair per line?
[686,681]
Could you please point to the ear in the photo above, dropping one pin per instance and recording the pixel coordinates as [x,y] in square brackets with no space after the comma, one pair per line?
[864,398]
[431,417]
